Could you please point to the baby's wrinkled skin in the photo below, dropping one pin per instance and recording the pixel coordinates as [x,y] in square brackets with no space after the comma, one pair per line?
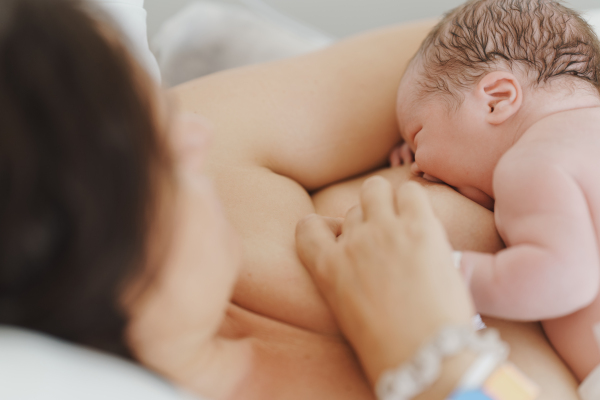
[532,155]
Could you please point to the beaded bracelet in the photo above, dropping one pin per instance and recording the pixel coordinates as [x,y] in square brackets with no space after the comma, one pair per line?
[413,378]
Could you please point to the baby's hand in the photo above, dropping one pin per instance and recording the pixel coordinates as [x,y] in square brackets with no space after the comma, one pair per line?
[401,155]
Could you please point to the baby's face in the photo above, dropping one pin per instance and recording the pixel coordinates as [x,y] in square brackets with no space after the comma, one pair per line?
[447,142]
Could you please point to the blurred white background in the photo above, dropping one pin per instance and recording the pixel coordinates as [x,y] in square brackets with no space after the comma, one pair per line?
[340,18]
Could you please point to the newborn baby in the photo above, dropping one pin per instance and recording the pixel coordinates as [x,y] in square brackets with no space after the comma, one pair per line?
[502,102]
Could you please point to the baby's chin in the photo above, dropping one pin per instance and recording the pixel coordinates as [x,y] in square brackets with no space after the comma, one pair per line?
[477,196]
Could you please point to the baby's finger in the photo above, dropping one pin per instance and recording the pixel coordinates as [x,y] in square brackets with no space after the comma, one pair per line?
[395,158]
[412,200]
[315,237]
[377,199]
[406,154]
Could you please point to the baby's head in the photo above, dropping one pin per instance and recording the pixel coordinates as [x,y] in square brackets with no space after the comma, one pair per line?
[474,73]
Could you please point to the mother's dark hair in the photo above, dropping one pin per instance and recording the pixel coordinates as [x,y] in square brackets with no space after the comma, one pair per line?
[78,152]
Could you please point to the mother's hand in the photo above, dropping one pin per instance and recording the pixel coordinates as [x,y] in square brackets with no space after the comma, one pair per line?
[387,273]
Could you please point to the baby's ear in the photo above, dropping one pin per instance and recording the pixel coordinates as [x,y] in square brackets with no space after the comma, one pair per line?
[502,94]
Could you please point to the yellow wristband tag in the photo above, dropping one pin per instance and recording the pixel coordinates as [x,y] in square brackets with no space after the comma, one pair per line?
[505,383]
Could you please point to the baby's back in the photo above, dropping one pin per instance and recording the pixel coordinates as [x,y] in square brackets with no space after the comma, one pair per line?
[571,141]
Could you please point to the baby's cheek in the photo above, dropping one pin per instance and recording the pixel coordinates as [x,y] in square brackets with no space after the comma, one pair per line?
[427,160]
[432,166]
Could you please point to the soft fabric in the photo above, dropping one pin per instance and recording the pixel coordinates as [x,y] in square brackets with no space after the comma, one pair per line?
[207,37]
[129,17]
[38,367]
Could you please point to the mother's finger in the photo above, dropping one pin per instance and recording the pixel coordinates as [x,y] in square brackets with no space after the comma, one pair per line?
[412,200]
[377,198]
[315,235]
[353,218]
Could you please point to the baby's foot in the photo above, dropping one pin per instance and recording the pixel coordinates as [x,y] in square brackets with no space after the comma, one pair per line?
[401,155]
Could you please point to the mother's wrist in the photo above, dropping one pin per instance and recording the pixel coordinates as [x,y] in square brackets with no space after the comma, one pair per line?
[456,364]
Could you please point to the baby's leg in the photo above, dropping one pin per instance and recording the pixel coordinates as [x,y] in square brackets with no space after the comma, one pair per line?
[574,340]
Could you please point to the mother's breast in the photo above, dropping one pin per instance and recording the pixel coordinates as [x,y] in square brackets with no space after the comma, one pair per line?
[299,353]
[264,209]
[291,363]
[273,282]
[469,226]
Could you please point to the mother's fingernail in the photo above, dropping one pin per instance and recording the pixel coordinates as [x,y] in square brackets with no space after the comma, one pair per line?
[375,178]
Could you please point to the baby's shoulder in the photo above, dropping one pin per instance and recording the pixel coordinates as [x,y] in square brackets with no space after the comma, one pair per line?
[568,135]
[571,126]
[566,142]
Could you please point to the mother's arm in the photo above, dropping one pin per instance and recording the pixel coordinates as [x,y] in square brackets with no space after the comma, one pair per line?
[316,119]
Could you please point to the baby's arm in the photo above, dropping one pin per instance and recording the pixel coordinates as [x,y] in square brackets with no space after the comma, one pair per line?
[550,267]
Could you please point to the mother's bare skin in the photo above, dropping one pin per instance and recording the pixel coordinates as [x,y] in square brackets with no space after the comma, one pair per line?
[289,128]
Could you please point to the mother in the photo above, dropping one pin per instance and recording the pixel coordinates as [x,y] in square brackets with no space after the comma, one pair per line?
[89,193]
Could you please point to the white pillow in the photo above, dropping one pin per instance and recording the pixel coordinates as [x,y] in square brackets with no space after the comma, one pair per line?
[210,36]
[38,367]
[129,17]
[593,17]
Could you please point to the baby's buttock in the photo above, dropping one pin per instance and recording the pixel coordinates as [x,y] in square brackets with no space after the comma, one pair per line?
[573,335]
[573,141]
[574,339]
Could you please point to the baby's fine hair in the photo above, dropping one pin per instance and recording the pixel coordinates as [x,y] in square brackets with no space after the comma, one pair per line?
[540,38]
